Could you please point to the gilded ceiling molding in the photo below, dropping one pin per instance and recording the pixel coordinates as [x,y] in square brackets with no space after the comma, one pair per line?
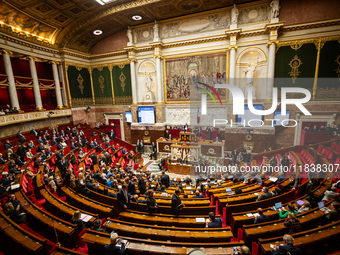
[206,40]
[295,27]
[115,9]
[296,44]
[31,43]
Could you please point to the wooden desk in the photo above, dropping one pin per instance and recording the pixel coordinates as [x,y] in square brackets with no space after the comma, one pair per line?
[164,233]
[24,239]
[181,169]
[97,240]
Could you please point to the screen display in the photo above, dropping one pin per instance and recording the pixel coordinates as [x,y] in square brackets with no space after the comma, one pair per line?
[128,117]
[249,118]
[146,115]
[281,119]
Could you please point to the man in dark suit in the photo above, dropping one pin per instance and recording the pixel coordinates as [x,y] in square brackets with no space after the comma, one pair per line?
[167,134]
[165,180]
[176,203]
[212,222]
[154,151]
[262,218]
[34,132]
[19,134]
[8,145]
[265,194]
[131,186]
[22,139]
[112,248]
[288,248]
[21,151]
[123,197]
[162,163]
[63,164]
[141,184]
[112,135]
[2,160]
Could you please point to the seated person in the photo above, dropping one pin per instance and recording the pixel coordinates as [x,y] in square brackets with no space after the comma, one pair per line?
[330,194]
[265,194]
[283,213]
[97,226]
[305,207]
[76,220]
[113,248]
[217,140]
[262,218]
[212,222]
[288,248]
[15,215]
[198,195]
[334,214]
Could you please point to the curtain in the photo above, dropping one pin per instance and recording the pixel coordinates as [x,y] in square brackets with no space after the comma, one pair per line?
[122,84]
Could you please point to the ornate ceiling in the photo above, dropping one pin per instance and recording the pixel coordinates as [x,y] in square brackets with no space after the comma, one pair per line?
[70,23]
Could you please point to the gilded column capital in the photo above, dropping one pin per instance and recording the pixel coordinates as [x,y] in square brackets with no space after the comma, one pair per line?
[232,47]
[272,42]
[157,56]
[54,62]
[133,60]
[31,58]
[8,52]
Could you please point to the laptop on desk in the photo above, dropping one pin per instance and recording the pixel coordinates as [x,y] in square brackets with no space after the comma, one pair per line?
[229,191]
[277,206]
[323,208]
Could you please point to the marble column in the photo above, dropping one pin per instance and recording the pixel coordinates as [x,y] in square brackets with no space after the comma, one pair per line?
[57,84]
[12,90]
[160,92]
[271,69]
[133,81]
[232,66]
[36,88]
[62,79]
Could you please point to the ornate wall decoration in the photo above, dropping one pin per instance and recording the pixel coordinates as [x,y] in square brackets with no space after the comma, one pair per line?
[123,100]
[100,69]
[79,102]
[296,46]
[144,34]
[184,76]
[101,82]
[197,24]
[122,79]
[80,86]
[78,68]
[338,70]
[103,100]
[254,14]
[121,66]
[295,64]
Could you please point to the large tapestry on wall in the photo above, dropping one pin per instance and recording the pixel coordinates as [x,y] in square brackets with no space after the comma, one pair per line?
[79,81]
[122,84]
[295,66]
[186,76]
[102,86]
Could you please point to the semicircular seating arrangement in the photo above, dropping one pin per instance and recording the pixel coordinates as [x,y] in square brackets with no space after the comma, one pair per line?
[49,209]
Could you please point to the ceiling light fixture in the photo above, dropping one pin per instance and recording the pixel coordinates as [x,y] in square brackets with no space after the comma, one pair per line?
[137,17]
[99,1]
[97,32]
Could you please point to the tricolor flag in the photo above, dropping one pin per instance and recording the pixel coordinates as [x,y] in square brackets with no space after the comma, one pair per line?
[198,115]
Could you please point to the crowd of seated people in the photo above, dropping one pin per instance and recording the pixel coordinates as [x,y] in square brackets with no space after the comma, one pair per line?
[8,110]
[335,129]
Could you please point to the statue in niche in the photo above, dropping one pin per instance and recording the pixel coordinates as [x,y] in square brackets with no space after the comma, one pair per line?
[234,15]
[156,32]
[129,35]
[275,8]
[250,75]
[148,82]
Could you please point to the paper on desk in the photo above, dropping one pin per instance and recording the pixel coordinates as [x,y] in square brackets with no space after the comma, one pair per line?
[256,214]
[256,194]
[15,186]
[187,187]
[164,194]
[249,215]
[85,217]
[273,179]
[200,220]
